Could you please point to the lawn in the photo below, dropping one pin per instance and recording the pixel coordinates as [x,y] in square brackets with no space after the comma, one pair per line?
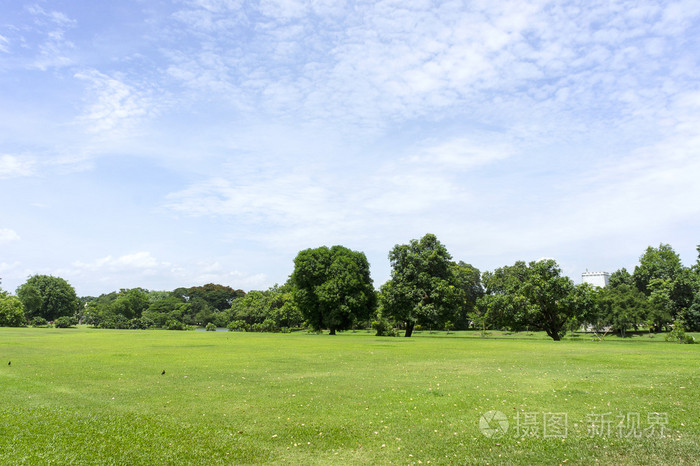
[99,396]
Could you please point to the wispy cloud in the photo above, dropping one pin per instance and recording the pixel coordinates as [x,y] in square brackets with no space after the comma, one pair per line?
[7,235]
[114,105]
[14,165]
[54,50]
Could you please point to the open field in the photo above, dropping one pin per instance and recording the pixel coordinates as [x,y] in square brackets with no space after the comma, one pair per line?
[98,396]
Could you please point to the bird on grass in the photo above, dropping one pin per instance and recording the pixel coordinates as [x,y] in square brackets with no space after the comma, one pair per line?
[9,363]
[163,373]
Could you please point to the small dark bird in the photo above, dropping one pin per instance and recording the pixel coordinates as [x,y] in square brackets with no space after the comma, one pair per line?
[9,363]
[163,373]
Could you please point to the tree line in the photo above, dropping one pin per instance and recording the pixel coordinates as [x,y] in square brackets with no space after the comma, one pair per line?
[331,289]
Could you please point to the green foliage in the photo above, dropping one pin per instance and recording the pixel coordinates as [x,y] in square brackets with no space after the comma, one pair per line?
[383,328]
[39,322]
[173,324]
[656,263]
[65,322]
[678,335]
[11,311]
[237,326]
[620,277]
[131,303]
[422,285]
[468,289]
[167,309]
[275,308]
[48,297]
[692,315]
[531,295]
[219,297]
[332,287]
[211,327]
[622,307]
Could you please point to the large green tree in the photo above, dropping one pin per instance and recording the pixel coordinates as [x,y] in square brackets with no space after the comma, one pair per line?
[421,289]
[48,297]
[622,307]
[332,287]
[656,263]
[535,295]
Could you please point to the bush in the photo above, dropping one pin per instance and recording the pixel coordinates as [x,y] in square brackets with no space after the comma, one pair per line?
[39,322]
[115,321]
[65,322]
[236,326]
[678,334]
[383,328]
[146,322]
[211,327]
[174,325]
[11,312]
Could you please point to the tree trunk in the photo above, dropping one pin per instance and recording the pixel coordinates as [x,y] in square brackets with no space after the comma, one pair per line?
[332,332]
[409,329]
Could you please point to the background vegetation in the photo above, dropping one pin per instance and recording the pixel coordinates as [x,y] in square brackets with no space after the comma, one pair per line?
[331,288]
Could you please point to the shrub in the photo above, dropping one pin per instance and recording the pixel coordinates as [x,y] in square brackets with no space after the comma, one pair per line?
[258,327]
[211,327]
[173,324]
[146,322]
[65,322]
[678,334]
[383,328]
[236,326]
[39,322]
[115,321]
[11,312]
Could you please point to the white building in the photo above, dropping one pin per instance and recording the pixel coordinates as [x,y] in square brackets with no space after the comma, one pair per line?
[599,279]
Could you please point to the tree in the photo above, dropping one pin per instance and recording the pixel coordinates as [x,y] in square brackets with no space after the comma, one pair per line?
[168,309]
[532,295]
[623,307]
[467,279]
[11,311]
[332,287]
[131,303]
[503,305]
[661,263]
[620,277]
[421,289]
[48,297]
[692,316]
[219,297]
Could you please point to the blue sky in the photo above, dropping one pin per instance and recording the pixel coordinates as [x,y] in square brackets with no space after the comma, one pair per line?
[175,143]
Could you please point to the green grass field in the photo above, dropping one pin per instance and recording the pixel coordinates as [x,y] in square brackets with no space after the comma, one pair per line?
[98,396]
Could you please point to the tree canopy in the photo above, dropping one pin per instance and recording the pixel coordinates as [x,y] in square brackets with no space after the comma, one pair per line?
[421,289]
[535,295]
[332,287]
[48,297]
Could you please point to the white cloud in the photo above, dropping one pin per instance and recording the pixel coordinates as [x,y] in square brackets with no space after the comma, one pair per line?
[7,236]
[55,50]
[462,153]
[13,166]
[115,104]
[4,43]
[142,260]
